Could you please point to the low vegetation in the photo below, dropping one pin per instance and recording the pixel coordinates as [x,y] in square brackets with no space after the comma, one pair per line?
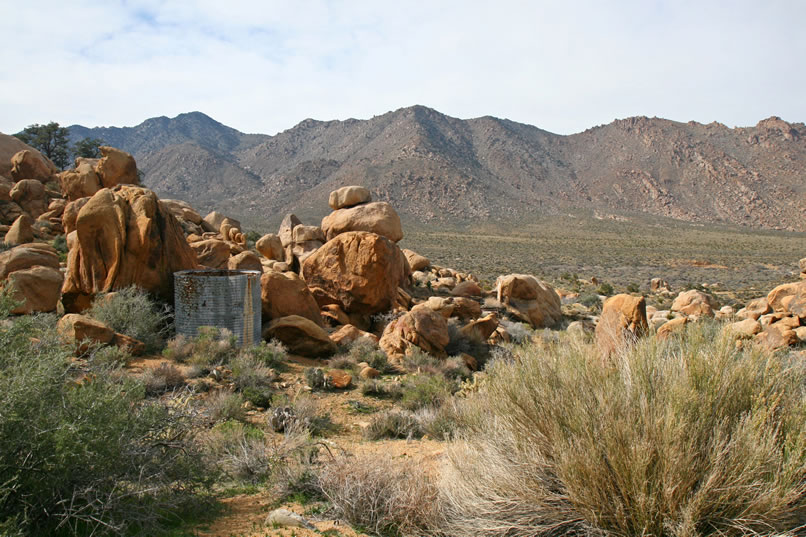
[683,437]
[86,453]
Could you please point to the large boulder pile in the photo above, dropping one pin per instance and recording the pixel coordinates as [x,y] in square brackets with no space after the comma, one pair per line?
[28,190]
[123,236]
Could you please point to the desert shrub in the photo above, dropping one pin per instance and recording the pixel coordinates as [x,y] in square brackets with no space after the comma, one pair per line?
[472,344]
[211,346]
[633,288]
[417,360]
[426,390]
[381,390]
[314,378]
[245,455]
[590,300]
[683,437]
[109,356]
[249,372]
[223,405]
[343,362]
[133,312]
[89,456]
[385,496]
[605,289]
[272,354]
[363,350]
[394,423]
[164,378]
[519,332]
[440,422]
[301,412]
[454,368]
[253,375]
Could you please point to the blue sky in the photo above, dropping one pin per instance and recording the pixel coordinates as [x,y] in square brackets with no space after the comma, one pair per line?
[264,66]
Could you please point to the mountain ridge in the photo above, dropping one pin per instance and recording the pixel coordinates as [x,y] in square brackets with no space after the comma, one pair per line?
[433,167]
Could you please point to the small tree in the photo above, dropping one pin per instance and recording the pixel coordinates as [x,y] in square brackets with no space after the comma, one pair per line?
[50,139]
[88,148]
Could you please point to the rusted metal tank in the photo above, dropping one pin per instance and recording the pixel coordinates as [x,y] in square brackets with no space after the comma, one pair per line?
[222,298]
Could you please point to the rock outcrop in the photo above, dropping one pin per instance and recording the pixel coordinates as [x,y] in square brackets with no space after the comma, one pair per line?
[285,294]
[358,270]
[622,322]
[124,237]
[302,336]
[378,217]
[529,299]
[421,327]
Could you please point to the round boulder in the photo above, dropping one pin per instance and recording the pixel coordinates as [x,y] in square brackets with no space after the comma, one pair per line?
[358,270]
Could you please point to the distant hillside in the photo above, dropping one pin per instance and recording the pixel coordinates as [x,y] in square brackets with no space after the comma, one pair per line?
[433,167]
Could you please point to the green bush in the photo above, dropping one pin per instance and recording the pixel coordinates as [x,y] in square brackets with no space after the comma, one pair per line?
[133,312]
[381,390]
[272,354]
[590,300]
[426,390]
[363,350]
[682,437]
[86,455]
[605,289]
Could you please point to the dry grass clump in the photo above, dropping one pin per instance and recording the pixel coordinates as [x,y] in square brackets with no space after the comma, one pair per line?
[394,423]
[380,494]
[161,379]
[212,346]
[683,437]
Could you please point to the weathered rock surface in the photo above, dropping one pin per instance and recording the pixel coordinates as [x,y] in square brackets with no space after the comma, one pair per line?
[416,261]
[245,261]
[84,331]
[70,214]
[529,299]
[481,328]
[696,303]
[301,336]
[421,327]
[37,289]
[26,256]
[123,238]
[358,270]
[212,253]
[348,334]
[80,182]
[622,322]
[30,164]
[21,231]
[270,247]
[674,326]
[116,167]
[348,196]
[284,294]
[378,217]
[745,329]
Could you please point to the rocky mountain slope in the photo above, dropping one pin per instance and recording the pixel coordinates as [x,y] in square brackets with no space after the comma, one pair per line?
[435,167]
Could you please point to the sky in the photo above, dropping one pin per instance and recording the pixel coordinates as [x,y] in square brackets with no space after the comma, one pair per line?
[263,66]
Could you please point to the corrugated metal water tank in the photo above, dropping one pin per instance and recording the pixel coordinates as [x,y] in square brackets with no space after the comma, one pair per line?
[221,298]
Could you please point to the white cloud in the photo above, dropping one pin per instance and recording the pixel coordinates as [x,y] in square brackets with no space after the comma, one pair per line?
[264,66]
